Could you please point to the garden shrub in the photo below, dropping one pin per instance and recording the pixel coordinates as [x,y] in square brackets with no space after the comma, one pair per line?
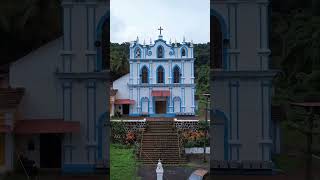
[194,139]
[118,132]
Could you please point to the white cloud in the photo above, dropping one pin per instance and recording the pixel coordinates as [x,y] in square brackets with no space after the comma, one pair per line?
[190,18]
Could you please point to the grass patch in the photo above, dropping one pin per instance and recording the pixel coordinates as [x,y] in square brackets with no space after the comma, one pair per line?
[123,163]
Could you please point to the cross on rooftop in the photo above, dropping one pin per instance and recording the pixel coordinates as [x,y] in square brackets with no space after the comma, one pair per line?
[160,29]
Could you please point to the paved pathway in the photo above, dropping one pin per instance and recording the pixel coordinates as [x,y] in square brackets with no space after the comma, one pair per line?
[170,172]
[83,178]
[55,177]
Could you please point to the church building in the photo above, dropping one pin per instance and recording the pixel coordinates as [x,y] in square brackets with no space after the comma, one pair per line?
[243,129]
[160,82]
[54,104]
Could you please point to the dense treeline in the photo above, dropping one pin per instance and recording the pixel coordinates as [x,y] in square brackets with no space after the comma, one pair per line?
[25,25]
[295,44]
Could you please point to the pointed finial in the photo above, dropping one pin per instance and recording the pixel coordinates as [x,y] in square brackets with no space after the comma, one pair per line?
[150,41]
[170,41]
[137,39]
[144,42]
[184,39]
[175,43]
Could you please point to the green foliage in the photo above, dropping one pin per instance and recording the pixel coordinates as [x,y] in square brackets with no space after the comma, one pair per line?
[119,60]
[118,132]
[26,25]
[203,125]
[297,38]
[195,139]
[203,86]
[123,163]
[197,143]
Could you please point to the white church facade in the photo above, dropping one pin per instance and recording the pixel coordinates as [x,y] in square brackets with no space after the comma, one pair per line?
[160,82]
[241,84]
[60,118]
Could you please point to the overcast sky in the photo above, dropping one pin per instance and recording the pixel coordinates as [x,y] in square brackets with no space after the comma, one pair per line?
[142,18]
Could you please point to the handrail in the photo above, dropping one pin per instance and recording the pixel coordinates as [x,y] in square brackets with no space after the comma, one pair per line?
[179,144]
[25,171]
[141,144]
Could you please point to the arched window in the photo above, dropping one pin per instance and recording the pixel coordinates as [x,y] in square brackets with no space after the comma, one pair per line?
[183,52]
[144,74]
[176,74]
[160,52]
[160,75]
[137,53]
[217,44]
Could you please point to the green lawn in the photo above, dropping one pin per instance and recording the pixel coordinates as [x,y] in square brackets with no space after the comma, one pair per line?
[123,163]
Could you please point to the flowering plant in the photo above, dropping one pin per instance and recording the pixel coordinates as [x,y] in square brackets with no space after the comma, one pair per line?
[194,138]
[130,138]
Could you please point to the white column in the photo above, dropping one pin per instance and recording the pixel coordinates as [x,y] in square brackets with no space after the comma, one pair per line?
[263,35]
[182,72]
[138,90]
[150,101]
[150,72]
[170,72]
[233,24]
[131,72]
[192,72]
[90,33]
[67,37]
[265,140]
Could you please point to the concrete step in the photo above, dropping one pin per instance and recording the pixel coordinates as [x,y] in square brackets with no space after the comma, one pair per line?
[173,150]
[156,146]
[160,141]
[164,162]
[150,133]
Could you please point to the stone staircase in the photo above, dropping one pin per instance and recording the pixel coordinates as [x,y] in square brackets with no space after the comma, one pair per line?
[160,141]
